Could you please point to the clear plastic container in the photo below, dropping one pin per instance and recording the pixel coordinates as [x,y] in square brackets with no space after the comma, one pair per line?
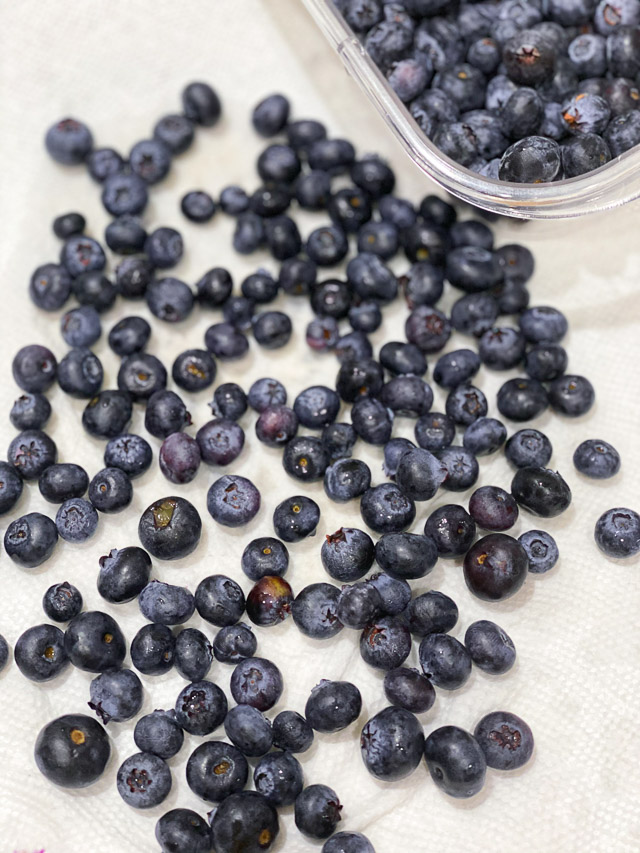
[610,186]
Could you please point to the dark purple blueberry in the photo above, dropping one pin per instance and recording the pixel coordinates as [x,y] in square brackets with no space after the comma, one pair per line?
[493,509]
[347,479]
[50,286]
[597,459]
[406,556]
[233,501]
[427,328]
[264,556]
[495,567]
[80,373]
[170,528]
[474,313]
[244,821]
[409,689]
[571,395]
[541,491]
[333,705]
[141,375]
[123,574]
[220,441]
[179,458]
[386,643]
[63,481]
[386,509]
[81,326]
[125,235]
[193,654]
[239,311]
[34,368]
[152,649]
[372,420]
[270,116]
[132,277]
[194,370]
[279,163]
[234,643]
[490,647]
[315,609]
[169,299]
[39,653]
[484,436]
[31,452]
[317,811]
[347,555]
[272,329]
[248,730]
[361,378]
[198,206]
[94,642]
[338,440]
[462,468]
[226,342]
[435,431]
[391,744]
[165,414]
[107,414]
[305,458]
[200,708]
[183,828]
[165,603]
[201,104]
[505,739]
[420,474]
[229,402]
[116,695]
[296,518]
[76,520]
[432,612]
[528,447]
[522,399]
[359,605]
[444,661]
[452,529]
[455,761]
[256,682]
[72,751]
[175,132]
[395,593]
[124,193]
[62,602]
[159,733]
[532,160]
[214,288]
[291,732]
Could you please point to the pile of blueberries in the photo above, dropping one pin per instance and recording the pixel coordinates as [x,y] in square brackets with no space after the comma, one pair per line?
[521,90]
[73,750]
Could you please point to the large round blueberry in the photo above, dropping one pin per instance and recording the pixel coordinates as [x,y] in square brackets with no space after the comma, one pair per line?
[233,500]
[495,567]
[72,751]
[257,682]
[30,539]
[490,647]
[617,532]
[455,761]
[386,509]
[170,528]
[183,829]
[392,744]
[215,770]
[541,491]
[505,739]
[333,705]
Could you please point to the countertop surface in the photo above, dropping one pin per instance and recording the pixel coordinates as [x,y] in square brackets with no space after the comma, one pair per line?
[119,67]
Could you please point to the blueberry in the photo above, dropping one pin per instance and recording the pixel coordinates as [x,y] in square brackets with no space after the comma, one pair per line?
[179,458]
[391,744]
[165,413]
[270,116]
[408,689]
[394,450]
[124,194]
[617,532]
[198,206]
[256,682]
[359,378]
[170,528]
[219,600]
[132,279]
[427,328]
[76,520]
[315,611]
[435,431]
[233,501]
[349,208]
[165,603]
[511,296]
[94,642]
[200,708]
[571,395]
[81,327]
[194,370]
[455,761]
[432,612]
[50,287]
[80,373]
[541,549]
[159,734]
[333,705]
[276,425]
[249,233]
[123,574]
[522,399]
[370,277]
[229,402]
[474,314]
[347,479]
[402,358]
[372,420]
[152,649]
[125,235]
[269,601]
[322,334]
[583,154]
[94,289]
[107,414]
[296,518]
[193,654]
[419,474]
[505,739]
[313,189]
[201,104]
[531,160]
[297,276]
[116,695]
[278,777]
[110,490]
[143,780]
[490,647]
[220,441]
[406,556]
[169,299]
[348,842]
[597,459]
[359,605]
[265,556]
[444,660]
[72,751]
[34,368]
[317,811]
[30,540]
[175,132]
[183,829]
[280,164]
[455,368]
[82,254]
[347,555]
[215,770]
[248,730]
[465,404]
[131,453]
[244,821]
[214,288]
[326,246]
[386,643]
[462,468]
[68,225]
[69,141]
[305,458]
[386,509]
[495,567]
[541,491]
[30,411]
[332,298]
[528,447]
[484,436]
[102,163]
[365,317]
[233,643]
[62,602]
[58,483]
[11,486]
[493,509]
[226,342]
[272,329]
[40,653]
[291,732]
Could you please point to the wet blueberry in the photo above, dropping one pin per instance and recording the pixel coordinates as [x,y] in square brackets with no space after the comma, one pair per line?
[94,642]
[347,555]
[215,770]
[233,643]
[40,654]
[170,528]
[317,811]
[219,600]
[528,447]
[495,567]
[110,490]
[62,602]
[124,573]
[249,730]
[315,611]
[386,643]
[72,751]
[492,508]
[269,601]
[256,682]
[107,414]
[392,744]
[152,649]
[165,603]
[193,654]
[490,647]
[220,441]
[201,707]
[455,761]
[183,829]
